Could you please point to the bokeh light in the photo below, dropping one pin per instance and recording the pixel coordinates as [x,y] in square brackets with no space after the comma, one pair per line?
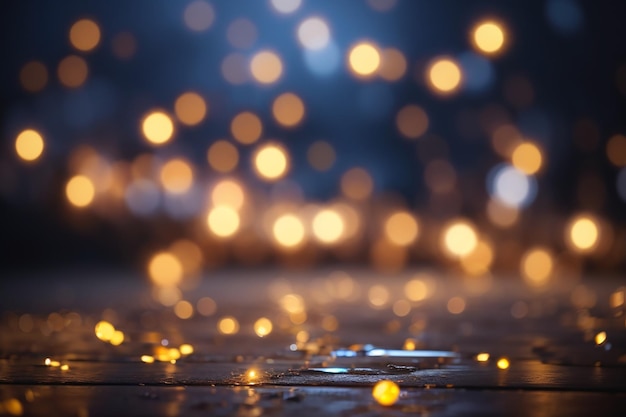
[488,37]
[246,127]
[459,238]
[228,325]
[199,15]
[286,6]
[242,33]
[176,176]
[223,156]
[288,231]
[357,184]
[263,327]
[228,193]
[444,75]
[412,121]
[266,67]
[536,266]
[234,68]
[85,35]
[190,108]
[386,392]
[165,269]
[328,226]
[314,33]
[157,127]
[72,71]
[271,161]
[288,109]
[223,221]
[511,186]
[364,59]
[616,150]
[527,158]
[393,64]
[321,155]
[29,145]
[401,228]
[34,76]
[583,233]
[80,191]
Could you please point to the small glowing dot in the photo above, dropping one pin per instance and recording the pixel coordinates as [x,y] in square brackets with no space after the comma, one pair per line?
[482,357]
[104,330]
[47,361]
[536,266]
[199,16]
[223,156]
[328,226]
[600,338]
[183,310]
[321,155]
[444,75]
[186,349]
[228,325]
[157,128]
[286,6]
[173,354]
[147,359]
[29,145]
[252,375]
[527,158]
[34,76]
[13,406]
[583,234]
[313,33]
[401,228]
[190,108]
[223,221]
[503,363]
[165,269]
[72,71]
[393,64]
[266,67]
[357,184]
[85,35]
[288,231]
[176,176]
[456,305]
[410,344]
[459,239]
[263,327]
[288,109]
[117,338]
[412,121]
[364,59]
[488,37]
[270,162]
[80,191]
[246,127]
[386,392]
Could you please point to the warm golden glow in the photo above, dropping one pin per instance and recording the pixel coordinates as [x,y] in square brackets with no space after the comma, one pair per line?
[488,37]
[223,156]
[13,406]
[189,254]
[223,221]
[263,327]
[190,108]
[412,121]
[80,191]
[321,155]
[157,127]
[500,214]
[186,349]
[386,392]
[266,67]
[228,193]
[456,305]
[228,325]
[72,71]
[147,359]
[85,35]
[104,330]
[292,303]
[288,109]
[206,306]
[527,158]
[459,238]
[176,176]
[271,161]
[29,145]
[378,296]
[401,228]
[503,363]
[288,231]
[246,127]
[364,59]
[328,226]
[536,266]
[33,76]
[183,310]
[444,75]
[478,261]
[393,64]
[482,357]
[616,150]
[600,338]
[117,338]
[583,234]
[416,290]
[357,184]
[165,270]
[401,308]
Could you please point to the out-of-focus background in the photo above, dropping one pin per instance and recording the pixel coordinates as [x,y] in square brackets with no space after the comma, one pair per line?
[173,138]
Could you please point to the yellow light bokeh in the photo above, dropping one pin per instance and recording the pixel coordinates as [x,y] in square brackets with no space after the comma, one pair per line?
[459,238]
[401,228]
[292,303]
[321,155]
[600,338]
[478,261]
[80,191]
[228,325]
[223,221]
[190,108]
[228,193]
[189,254]
[147,359]
[117,338]
[482,357]
[328,226]
[176,176]
[29,145]
[266,67]
[183,309]
[34,76]
[223,156]
[416,290]
[13,406]
[263,327]
[583,234]
[364,59]
[186,349]
[527,158]
[444,75]
[503,363]
[104,330]
[357,184]
[378,296]
[157,127]
[488,37]
[85,35]
[271,162]
[246,127]
[536,266]
[288,110]
[393,64]
[412,121]
[288,231]
[165,269]
[386,392]
[72,71]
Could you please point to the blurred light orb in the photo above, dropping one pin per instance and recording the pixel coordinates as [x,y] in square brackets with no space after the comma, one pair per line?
[223,221]
[80,191]
[478,261]
[183,310]
[616,150]
[393,64]
[271,161]
[364,59]
[459,238]
[386,392]
[328,226]
[357,184]
[286,6]
[444,75]
[242,33]
[288,110]
[600,338]
[536,266]
[199,15]
[157,128]
[266,67]
[527,158]
[378,296]
[412,121]
[416,290]
[321,155]
[228,193]
[176,176]
[401,228]
[29,145]
[501,214]
[314,33]
[246,127]
[235,68]
[85,35]
[503,363]
[566,16]
[223,156]
[189,255]
[488,37]
[511,187]
[456,305]
[142,197]
[288,231]
[72,71]
[263,327]
[323,62]
[33,76]
[583,233]
[190,108]
[228,325]
[104,330]
[165,270]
